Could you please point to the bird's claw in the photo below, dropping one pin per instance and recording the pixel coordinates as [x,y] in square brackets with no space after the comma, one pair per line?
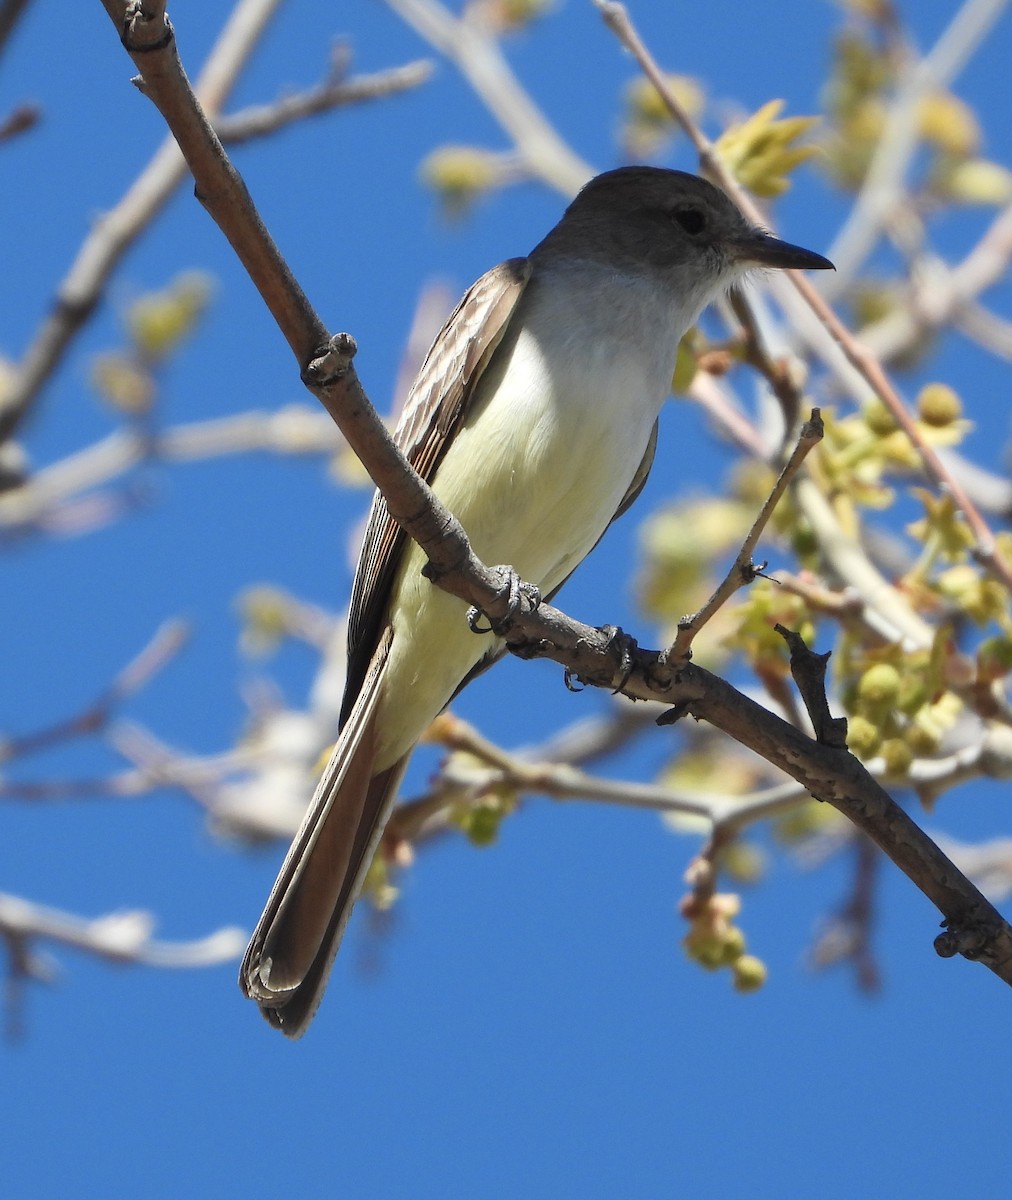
[627,647]
[517,590]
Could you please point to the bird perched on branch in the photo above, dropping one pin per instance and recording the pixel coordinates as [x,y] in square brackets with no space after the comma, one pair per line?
[534,419]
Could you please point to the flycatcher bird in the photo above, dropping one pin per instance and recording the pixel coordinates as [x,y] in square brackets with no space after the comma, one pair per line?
[534,419]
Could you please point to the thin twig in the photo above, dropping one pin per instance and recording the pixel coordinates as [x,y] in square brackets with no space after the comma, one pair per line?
[848,934]
[743,570]
[946,295]
[470,44]
[115,232]
[19,120]
[122,937]
[262,119]
[43,501]
[975,928]
[882,189]
[526,771]
[166,643]
[10,13]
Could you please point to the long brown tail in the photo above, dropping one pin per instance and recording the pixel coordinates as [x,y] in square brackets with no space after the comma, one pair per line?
[293,946]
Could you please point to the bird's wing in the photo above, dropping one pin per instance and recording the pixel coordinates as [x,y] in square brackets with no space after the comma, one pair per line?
[434,409]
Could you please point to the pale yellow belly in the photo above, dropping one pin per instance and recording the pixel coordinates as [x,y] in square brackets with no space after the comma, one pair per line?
[534,485]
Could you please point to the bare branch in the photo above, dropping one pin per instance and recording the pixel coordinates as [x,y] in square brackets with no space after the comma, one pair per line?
[743,570]
[166,643]
[10,13]
[118,937]
[882,190]
[19,120]
[115,232]
[945,295]
[847,936]
[470,44]
[262,119]
[50,499]
[835,776]
[989,864]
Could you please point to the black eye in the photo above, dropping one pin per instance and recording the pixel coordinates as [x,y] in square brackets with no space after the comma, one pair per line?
[692,220]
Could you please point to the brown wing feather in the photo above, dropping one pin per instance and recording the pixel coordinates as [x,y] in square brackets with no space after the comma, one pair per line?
[438,400]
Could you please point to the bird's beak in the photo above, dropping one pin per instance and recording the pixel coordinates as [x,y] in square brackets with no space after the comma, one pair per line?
[760,249]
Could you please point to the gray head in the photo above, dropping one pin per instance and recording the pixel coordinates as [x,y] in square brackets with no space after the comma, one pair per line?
[654,218]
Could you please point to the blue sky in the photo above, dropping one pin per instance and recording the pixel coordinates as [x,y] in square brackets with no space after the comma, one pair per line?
[530,1026]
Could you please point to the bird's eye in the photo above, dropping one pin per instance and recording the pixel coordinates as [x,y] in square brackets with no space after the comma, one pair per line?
[692,220]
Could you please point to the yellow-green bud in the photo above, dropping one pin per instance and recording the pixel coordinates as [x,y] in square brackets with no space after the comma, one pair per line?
[647,104]
[749,973]
[977,182]
[123,383]
[938,405]
[994,658]
[743,862]
[706,949]
[734,945]
[923,739]
[879,419]
[949,124]
[898,757]
[879,687]
[458,173]
[863,736]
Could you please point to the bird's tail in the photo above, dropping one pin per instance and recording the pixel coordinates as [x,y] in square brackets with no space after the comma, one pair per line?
[293,946]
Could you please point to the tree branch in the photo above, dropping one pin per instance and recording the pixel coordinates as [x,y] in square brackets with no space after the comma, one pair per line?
[975,929]
[470,44]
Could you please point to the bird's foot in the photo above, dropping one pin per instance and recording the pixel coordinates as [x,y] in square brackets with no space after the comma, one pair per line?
[517,591]
[626,645]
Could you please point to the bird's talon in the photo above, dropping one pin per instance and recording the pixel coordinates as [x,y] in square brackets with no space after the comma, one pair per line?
[627,647]
[474,616]
[573,681]
[532,593]
[517,590]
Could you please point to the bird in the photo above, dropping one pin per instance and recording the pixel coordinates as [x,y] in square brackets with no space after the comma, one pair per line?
[534,420]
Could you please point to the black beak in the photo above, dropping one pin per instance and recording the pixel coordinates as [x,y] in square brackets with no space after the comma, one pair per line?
[760,249]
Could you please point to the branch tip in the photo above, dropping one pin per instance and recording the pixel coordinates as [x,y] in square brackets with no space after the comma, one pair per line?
[332,362]
[809,672]
[146,28]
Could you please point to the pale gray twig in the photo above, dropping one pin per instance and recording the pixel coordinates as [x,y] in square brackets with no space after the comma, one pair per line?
[116,230]
[469,43]
[123,937]
[262,119]
[44,500]
[883,186]
[944,296]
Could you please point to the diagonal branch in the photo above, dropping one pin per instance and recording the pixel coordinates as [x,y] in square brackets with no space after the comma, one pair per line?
[743,571]
[261,119]
[162,647]
[976,929]
[469,44]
